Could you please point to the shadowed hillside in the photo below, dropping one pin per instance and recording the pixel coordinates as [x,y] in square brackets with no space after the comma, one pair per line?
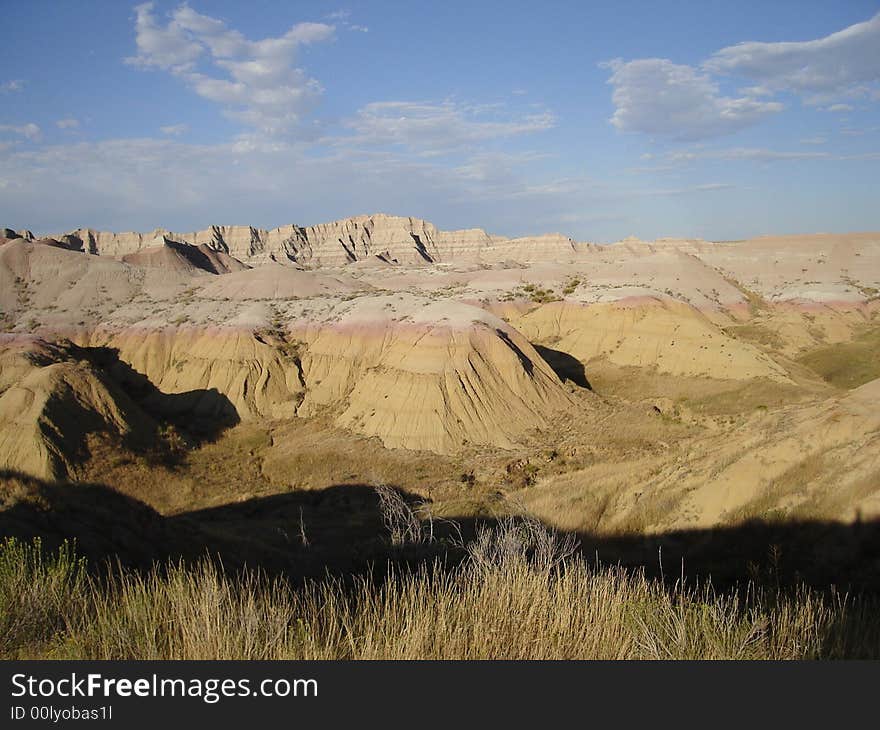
[343,529]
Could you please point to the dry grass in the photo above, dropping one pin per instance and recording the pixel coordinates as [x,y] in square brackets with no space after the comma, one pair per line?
[776,501]
[521,593]
[757,333]
[847,364]
[846,498]
[37,594]
[649,511]
[401,519]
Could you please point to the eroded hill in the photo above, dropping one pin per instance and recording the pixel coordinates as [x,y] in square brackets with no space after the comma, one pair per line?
[633,387]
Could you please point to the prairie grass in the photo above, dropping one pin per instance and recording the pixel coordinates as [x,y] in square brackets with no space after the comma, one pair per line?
[521,592]
[847,364]
[38,592]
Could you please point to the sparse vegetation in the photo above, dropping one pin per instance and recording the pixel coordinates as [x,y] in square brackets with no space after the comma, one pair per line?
[847,364]
[756,333]
[756,302]
[276,335]
[536,294]
[543,296]
[791,484]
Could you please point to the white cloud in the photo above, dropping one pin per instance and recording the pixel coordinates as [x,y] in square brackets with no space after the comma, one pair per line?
[681,102]
[256,82]
[12,85]
[29,131]
[658,97]
[174,130]
[813,140]
[169,47]
[437,127]
[842,64]
[68,123]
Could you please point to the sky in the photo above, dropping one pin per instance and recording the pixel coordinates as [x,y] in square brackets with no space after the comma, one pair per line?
[599,120]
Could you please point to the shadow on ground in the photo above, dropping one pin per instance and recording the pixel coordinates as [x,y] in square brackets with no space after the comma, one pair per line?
[202,413]
[567,367]
[340,530]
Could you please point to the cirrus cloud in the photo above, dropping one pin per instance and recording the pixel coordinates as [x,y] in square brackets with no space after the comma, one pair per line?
[432,127]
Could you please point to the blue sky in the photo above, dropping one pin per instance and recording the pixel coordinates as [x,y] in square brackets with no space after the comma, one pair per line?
[598,120]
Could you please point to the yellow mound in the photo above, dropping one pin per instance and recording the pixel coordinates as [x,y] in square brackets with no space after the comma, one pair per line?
[431,376]
[49,402]
[666,334]
[233,373]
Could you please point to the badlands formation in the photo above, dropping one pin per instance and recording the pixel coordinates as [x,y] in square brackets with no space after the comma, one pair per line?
[636,386]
